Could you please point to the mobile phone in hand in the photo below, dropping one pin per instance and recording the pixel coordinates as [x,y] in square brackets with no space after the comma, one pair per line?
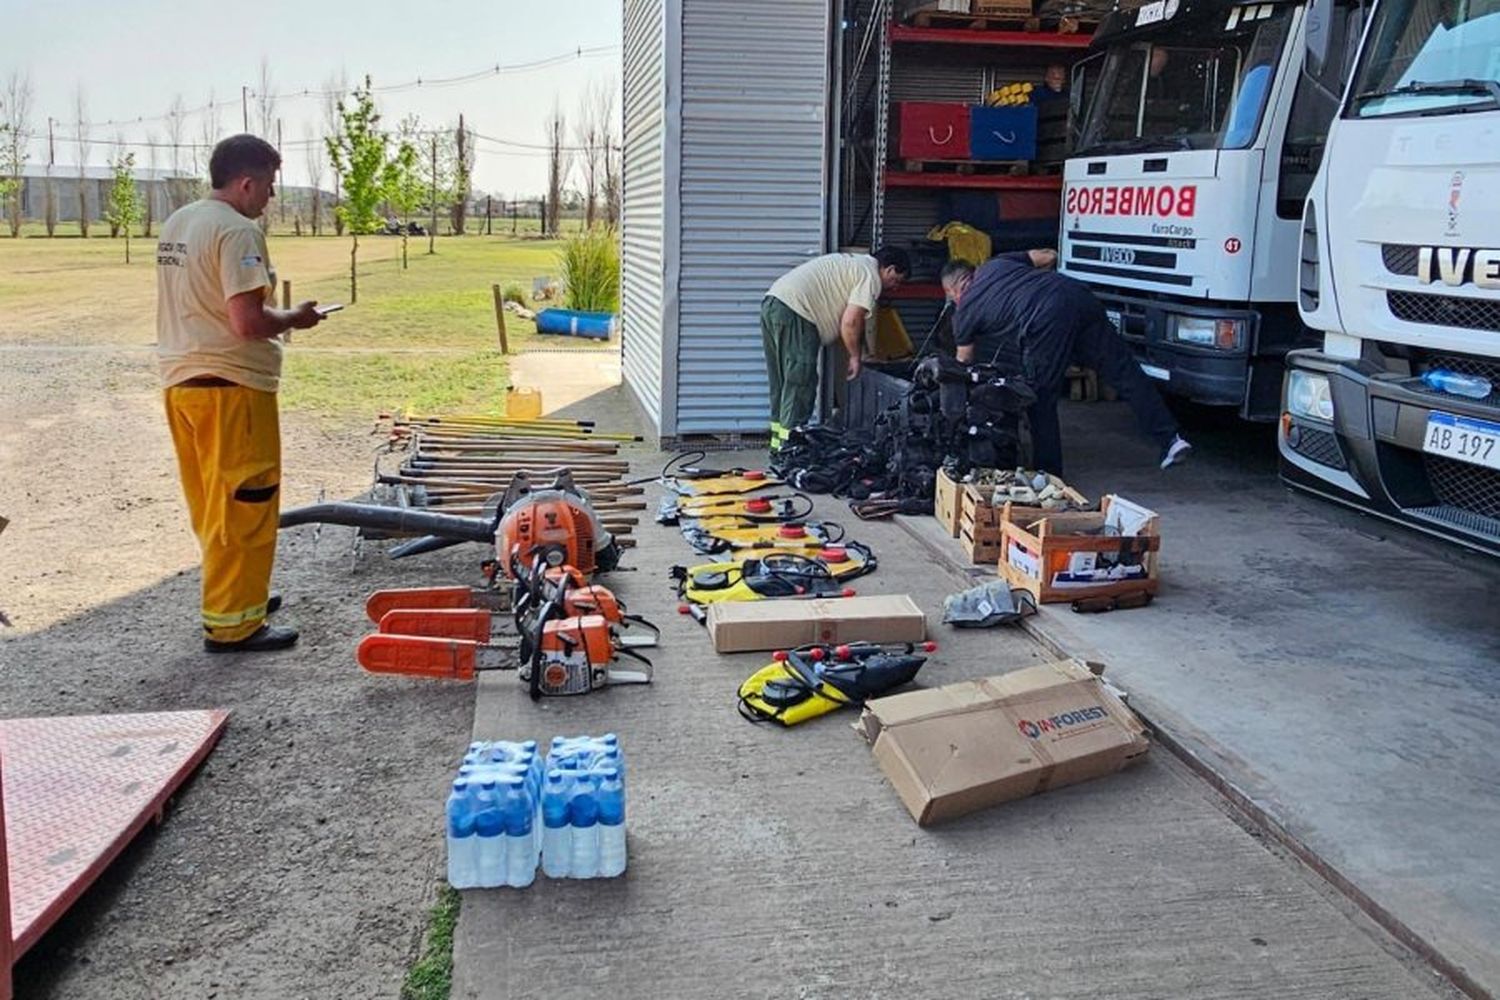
[328,309]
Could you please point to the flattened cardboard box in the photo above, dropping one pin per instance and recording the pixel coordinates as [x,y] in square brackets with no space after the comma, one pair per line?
[738,626]
[952,750]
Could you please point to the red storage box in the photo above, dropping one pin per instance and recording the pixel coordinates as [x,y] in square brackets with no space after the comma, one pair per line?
[932,131]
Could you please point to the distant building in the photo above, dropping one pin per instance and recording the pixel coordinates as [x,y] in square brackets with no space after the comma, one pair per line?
[166,189]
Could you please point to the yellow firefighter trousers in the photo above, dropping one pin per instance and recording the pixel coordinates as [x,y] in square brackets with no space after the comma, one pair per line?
[228,441]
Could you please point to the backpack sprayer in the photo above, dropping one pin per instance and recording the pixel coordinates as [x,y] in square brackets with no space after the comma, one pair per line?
[809,681]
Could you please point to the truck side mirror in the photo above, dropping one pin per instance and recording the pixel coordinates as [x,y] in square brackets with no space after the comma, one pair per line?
[1318,34]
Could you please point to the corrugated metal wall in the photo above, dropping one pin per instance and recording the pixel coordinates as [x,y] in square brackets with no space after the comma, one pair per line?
[643,215]
[755,95]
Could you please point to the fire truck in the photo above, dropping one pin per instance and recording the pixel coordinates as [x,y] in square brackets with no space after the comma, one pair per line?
[1396,412]
[1182,203]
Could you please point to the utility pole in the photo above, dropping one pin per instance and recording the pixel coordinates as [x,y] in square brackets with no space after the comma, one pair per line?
[280,177]
[489,218]
[51,155]
[432,232]
[245,109]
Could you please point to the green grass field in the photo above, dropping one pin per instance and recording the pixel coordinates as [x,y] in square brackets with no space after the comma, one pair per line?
[425,335]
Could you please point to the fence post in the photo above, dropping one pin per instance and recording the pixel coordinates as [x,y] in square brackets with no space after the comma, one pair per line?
[500,320]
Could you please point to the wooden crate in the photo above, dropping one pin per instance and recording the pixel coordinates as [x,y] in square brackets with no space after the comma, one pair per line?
[1001,8]
[946,502]
[1036,554]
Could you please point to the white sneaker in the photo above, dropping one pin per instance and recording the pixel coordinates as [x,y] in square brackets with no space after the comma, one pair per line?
[1175,452]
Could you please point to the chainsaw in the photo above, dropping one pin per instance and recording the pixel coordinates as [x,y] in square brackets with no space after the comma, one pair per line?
[559,653]
[809,681]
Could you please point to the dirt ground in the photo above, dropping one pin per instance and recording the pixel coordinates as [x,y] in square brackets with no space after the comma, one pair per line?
[301,859]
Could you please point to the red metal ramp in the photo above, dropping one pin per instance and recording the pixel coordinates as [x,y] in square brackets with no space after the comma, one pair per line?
[76,790]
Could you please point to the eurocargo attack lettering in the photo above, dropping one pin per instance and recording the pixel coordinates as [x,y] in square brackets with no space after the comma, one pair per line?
[1062,720]
[1142,199]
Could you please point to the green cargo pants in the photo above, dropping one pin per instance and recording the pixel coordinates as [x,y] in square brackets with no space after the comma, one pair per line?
[792,349]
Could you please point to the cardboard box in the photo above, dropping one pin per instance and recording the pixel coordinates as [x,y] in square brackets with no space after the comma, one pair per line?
[946,502]
[953,750]
[738,626]
[1002,8]
[1054,555]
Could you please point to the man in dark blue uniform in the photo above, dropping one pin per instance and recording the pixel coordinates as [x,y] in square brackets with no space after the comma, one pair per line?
[1032,320]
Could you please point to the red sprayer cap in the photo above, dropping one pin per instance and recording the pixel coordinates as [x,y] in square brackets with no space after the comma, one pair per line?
[842,652]
[929,647]
[848,592]
[818,654]
[758,506]
[834,554]
[754,474]
[793,530]
[779,656]
[683,609]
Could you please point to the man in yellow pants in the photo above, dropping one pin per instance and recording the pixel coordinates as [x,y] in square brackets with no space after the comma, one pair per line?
[217,342]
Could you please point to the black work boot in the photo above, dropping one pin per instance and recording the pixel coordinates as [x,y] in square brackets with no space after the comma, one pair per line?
[273,603]
[263,639]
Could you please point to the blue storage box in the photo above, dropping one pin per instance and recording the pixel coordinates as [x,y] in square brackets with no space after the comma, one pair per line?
[1002,133]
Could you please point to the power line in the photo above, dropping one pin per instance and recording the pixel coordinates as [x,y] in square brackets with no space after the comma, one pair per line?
[420,83]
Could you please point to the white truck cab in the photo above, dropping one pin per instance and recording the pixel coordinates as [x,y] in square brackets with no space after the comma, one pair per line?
[1400,266]
[1182,205]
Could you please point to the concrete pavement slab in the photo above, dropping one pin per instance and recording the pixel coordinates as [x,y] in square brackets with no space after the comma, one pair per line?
[768,862]
[1339,671]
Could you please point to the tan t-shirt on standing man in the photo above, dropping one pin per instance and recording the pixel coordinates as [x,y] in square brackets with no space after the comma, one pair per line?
[207,254]
[818,290]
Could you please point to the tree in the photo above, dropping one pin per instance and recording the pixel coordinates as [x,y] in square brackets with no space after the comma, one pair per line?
[358,153]
[265,107]
[123,208]
[335,89]
[148,198]
[463,175]
[180,190]
[405,186]
[592,134]
[209,128]
[558,166]
[316,161]
[15,127]
[81,136]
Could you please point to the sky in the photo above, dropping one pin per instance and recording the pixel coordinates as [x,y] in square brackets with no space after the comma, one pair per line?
[131,59]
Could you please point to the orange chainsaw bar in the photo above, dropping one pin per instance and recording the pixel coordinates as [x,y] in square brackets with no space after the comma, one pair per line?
[426,656]
[425,598]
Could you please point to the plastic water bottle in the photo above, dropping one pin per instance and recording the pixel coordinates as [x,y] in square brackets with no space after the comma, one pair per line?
[1472,386]
[520,844]
[583,817]
[557,842]
[463,861]
[611,824]
[489,828]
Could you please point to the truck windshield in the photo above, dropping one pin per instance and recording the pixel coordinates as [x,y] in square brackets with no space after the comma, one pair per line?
[1428,57]
[1202,86]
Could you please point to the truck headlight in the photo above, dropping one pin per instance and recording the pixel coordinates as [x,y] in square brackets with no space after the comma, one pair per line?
[1309,395]
[1205,331]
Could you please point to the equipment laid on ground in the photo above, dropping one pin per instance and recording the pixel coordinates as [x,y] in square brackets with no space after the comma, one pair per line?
[992,603]
[694,481]
[773,576]
[809,681]
[556,652]
[724,534]
[955,416]
[769,508]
